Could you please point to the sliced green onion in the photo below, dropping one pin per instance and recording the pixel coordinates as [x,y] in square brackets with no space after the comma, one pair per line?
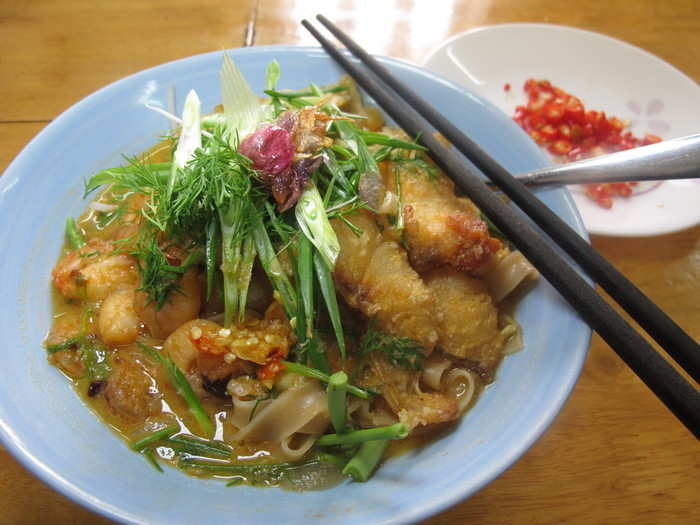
[231,242]
[153,437]
[273,267]
[325,281]
[233,468]
[399,201]
[371,186]
[380,138]
[342,151]
[308,93]
[339,460]
[245,272]
[150,457]
[306,371]
[74,236]
[316,354]
[182,386]
[395,431]
[241,107]
[337,394]
[306,282]
[211,253]
[363,463]
[272,76]
[313,221]
[190,136]
[198,447]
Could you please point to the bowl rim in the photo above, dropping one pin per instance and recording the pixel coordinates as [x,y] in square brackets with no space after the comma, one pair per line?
[102,507]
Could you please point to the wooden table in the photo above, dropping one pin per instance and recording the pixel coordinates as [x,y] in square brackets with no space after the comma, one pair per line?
[614,454]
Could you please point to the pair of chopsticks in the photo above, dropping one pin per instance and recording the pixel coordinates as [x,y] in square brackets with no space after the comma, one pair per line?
[419,119]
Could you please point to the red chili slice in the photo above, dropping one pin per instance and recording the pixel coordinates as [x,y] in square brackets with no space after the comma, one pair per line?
[558,121]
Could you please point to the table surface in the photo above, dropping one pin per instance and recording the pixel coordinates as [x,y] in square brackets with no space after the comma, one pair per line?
[614,454]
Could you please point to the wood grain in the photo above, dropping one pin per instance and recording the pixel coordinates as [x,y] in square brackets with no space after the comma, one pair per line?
[614,454]
[57,52]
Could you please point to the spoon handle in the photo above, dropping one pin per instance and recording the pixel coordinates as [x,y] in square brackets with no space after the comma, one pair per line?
[671,159]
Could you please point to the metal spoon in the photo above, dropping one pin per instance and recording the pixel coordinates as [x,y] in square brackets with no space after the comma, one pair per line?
[670,159]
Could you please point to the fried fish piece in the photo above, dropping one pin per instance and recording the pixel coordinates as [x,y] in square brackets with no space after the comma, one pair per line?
[375,277]
[441,228]
[468,319]
[399,387]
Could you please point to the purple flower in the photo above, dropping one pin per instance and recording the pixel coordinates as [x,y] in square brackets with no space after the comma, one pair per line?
[270,148]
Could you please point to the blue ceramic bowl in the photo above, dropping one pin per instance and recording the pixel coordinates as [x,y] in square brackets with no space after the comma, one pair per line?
[45,425]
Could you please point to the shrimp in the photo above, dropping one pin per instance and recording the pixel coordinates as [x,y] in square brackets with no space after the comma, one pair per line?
[117,321]
[181,306]
[207,370]
[205,349]
[92,273]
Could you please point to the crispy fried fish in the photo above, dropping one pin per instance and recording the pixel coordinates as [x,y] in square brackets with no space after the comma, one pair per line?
[469,321]
[441,228]
[374,276]
[399,387]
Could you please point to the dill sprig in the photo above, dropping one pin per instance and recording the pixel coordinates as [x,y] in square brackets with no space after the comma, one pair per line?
[400,351]
[158,277]
[216,178]
[137,177]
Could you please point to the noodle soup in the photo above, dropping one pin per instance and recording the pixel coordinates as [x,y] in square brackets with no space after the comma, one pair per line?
[280,291]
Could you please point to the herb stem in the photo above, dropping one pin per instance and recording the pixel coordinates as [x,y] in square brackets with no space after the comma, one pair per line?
[182,386]
[307,93]
[395,431]
[233,468]
[306,371]
[198,447]
[151,438]
[363,463]
[150,457]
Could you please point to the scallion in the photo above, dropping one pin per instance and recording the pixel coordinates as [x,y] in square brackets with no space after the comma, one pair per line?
[363,463]
[313,221]
[153,437]
[211,253]
[74,236]
[198,447]
[306,371]
[337,394]
[325,281]
[182,386]
[395,431]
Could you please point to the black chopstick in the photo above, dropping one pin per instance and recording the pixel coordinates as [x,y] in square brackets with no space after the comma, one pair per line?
[668,385]
[679,345]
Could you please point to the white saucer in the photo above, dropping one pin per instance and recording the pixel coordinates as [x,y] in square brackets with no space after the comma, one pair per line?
[607,74]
